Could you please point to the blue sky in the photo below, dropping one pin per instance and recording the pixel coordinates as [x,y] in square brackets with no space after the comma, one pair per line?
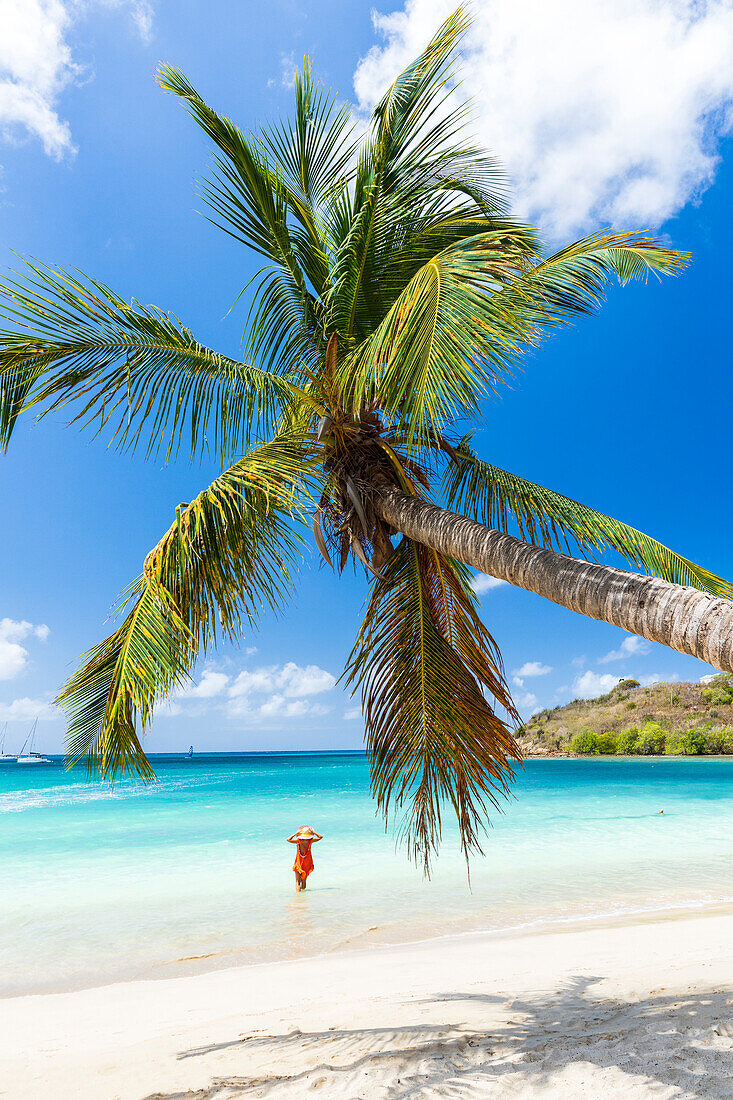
[628,411]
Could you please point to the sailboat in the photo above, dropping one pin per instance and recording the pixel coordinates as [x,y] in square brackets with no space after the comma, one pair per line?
[31,757]
[5,757]
[189,754]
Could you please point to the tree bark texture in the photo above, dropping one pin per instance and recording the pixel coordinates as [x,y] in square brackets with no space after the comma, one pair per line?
[679,616]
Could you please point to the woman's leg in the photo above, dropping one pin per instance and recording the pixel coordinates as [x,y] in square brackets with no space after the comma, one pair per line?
[298,882]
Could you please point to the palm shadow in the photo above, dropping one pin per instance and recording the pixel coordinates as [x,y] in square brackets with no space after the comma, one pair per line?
[661,1045]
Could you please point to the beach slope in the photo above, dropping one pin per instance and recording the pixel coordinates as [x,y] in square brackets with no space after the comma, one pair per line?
[627,1010]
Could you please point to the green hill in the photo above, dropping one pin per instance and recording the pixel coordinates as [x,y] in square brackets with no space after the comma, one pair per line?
[671,719]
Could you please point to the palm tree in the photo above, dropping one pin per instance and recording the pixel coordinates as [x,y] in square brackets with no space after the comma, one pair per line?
[396,293]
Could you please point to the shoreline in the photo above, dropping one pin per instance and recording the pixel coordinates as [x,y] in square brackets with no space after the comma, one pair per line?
[610,1010]
[627,756]
[360,942]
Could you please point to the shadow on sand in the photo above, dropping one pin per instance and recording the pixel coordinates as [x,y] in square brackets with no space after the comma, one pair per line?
[659,1047]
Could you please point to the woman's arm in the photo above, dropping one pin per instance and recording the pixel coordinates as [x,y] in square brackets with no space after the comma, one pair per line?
[317,837]
[292,839]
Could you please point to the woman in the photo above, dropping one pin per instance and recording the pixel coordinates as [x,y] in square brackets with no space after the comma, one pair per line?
[304,838]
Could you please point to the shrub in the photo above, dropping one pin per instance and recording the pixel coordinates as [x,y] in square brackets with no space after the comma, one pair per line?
[719,691]
[585,744]
[717,696]
[672,744]
[607,743]
[631,706]
[718,742]
[652,740]
[692,743]
[627,685]
[628,742]
[675,700]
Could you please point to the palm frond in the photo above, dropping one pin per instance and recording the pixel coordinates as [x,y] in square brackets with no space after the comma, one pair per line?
[404,168]
[247,194]
[228,555]
[21,366]
[254,209]
[573,280]
[146,658]
[423,661]
[546,518]
[277,336]
[312,153]
[444,343]
[406,110]
[469,313]
[254,200]
[133,369]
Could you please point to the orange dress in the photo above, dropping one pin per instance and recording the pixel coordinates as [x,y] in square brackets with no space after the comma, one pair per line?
[303,859]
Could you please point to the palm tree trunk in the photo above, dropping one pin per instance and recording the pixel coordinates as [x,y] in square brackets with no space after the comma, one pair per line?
[681,617]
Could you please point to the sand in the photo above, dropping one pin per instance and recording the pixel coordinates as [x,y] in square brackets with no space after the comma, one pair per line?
[632,1010]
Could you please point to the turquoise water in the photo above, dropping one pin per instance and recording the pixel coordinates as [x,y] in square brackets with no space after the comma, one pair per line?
[193,872]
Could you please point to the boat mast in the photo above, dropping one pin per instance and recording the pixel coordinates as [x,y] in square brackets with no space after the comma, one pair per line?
[30,737]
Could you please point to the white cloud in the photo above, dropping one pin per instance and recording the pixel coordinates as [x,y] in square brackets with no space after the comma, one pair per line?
[277,706]
[591,684]
[482,582]
[655,678]
[142,16]
[211,683]
[352,713]
[310,680]
[631,646]
[13,656]
[279,691]
[258,680]
[527,702]
[287,70]
[255,695]
[36,64]
[533,668]
[602,113]
[250,650]
[292,680]
[168,708]
[27,710]
[273,706]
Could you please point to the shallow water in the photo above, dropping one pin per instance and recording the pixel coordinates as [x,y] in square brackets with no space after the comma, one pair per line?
[99,885]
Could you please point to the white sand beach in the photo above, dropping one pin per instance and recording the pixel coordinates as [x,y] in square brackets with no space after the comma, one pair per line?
[632,1010]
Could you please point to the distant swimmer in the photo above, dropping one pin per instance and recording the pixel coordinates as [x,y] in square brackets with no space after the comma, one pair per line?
[305,838]
[661,811]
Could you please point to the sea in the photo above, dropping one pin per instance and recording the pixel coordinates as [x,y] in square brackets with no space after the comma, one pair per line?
[193,872]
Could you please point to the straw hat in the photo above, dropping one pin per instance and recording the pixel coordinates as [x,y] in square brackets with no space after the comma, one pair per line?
[305,833]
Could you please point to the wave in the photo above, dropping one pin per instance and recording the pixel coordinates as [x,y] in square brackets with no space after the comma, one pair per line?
[78,794]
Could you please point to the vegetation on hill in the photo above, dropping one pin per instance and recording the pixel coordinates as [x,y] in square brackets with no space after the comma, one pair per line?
[663,719]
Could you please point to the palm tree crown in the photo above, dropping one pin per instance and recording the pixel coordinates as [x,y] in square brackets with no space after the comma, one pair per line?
[396,292]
